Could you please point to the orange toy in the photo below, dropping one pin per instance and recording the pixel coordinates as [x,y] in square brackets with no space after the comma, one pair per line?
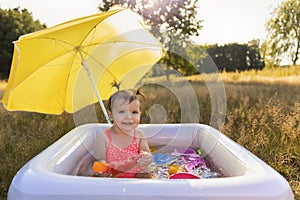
[173,169]
[99,167]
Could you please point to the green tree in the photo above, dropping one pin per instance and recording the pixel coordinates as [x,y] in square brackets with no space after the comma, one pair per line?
[254,58]
[234,56]
[171,21]
[13,23]
[283,33]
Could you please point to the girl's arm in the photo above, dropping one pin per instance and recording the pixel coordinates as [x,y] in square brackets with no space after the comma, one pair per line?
[146,157]
[99,153]
[143,143]
[100,146]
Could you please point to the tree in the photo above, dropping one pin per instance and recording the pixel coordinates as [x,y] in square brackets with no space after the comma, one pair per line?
[14,23]
[236,57]
[254,58]
[171,21]
[283,33]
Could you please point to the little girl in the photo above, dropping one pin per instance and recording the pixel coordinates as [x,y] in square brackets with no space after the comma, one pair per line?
[123,146]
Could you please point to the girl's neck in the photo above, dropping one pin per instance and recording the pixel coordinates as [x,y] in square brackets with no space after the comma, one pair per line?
[115,129]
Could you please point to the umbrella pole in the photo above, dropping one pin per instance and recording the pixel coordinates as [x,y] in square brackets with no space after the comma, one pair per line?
[88,71]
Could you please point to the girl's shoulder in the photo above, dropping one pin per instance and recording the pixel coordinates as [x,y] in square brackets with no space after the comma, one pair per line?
[139,133]
[103,135]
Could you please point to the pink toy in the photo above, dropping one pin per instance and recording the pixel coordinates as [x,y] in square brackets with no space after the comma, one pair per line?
[184,175]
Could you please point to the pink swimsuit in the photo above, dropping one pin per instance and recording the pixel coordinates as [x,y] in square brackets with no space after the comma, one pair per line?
[116,154]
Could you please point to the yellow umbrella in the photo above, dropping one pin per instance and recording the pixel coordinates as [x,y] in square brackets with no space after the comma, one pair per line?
[62,68]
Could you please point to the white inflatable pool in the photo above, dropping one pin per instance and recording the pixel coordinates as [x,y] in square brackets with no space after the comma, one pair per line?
[51,175]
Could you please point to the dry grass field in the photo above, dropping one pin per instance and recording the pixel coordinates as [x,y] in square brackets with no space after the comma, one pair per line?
[263,115]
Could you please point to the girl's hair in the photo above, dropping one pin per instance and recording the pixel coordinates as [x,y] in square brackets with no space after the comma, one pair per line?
[127,95]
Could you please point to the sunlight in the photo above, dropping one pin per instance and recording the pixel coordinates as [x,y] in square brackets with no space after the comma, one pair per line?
[151,3]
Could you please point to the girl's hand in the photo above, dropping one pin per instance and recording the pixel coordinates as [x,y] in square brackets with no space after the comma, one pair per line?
[145,159]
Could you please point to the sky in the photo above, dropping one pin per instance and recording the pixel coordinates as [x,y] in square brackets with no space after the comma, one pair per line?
[224,21]
[228,21]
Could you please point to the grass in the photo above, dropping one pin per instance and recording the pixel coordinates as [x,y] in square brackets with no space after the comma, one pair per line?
[286,75]
[263,115]
[266,120]
[22,136]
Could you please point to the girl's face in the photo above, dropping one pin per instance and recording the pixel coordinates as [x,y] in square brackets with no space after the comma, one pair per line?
[126,116]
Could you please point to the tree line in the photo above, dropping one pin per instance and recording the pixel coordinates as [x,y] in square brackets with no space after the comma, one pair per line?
[236,57]
[174,23]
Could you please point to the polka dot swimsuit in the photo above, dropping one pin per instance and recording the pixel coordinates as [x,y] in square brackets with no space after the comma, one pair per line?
[116,154]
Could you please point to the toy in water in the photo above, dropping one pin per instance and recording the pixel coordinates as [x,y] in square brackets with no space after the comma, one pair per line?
[182,164]
[185,152]
[163,159]
[184,175]
[199,152]
[193,164]
[195,161]
[173,169]
[100,167]
[153,149]
[201,170]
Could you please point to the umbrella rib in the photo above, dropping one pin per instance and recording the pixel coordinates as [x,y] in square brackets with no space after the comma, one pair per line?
[114,60]
[116,41]
[99,63]
[80,49]
[52,38]
[93,30]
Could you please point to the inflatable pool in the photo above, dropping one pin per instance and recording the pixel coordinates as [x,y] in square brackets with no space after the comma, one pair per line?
[53,173]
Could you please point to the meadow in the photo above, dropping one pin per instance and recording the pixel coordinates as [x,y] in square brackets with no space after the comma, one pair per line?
[262,114]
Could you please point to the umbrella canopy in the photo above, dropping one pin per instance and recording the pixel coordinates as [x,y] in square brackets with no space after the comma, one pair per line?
[47,73]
